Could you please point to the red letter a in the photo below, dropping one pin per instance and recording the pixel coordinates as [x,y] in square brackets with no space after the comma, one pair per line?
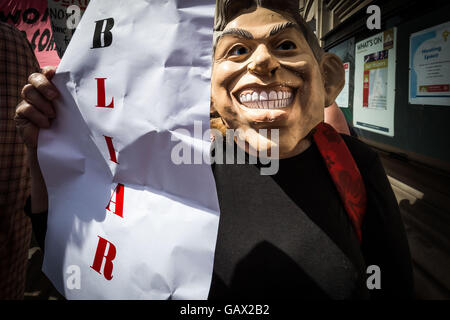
[101,94]
[118,204]
[100,256]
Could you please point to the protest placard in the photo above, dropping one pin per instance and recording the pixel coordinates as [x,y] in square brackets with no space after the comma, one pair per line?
[132,222]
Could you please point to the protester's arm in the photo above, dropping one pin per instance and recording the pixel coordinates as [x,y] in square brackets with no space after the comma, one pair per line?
[35,111]
[38,223]
[334,117]
[39,197]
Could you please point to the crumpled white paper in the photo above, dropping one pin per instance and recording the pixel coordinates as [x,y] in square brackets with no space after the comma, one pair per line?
[157,69]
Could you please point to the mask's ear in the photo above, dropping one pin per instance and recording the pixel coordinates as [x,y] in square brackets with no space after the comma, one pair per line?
[333,75]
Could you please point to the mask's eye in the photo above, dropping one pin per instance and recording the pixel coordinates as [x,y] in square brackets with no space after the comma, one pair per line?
[287,45]
[238,51]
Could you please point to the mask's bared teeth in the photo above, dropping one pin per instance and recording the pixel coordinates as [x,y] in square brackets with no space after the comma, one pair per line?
[263,96]
[273,95]
[280,95]
[256,99]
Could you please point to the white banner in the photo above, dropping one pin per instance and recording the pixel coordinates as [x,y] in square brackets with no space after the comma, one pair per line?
[125,222]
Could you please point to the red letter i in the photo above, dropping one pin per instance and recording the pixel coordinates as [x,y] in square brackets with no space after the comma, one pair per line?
[112,152]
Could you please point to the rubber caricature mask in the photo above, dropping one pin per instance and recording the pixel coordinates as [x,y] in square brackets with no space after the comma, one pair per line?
[266,76]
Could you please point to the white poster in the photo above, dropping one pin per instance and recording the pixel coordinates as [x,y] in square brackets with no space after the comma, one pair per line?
[125,221]
[64,17]
[374,94]
[429,63]
[342,99]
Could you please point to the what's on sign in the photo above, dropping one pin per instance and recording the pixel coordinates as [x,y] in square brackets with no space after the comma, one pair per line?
[135,225]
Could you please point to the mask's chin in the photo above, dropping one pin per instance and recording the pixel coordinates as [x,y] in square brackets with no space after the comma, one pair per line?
[268,139]
[262,143]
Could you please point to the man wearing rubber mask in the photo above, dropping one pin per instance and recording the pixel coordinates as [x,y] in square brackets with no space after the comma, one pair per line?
[326,224]
[312,229]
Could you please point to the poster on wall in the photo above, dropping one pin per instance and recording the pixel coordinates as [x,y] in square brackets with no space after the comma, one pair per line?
[346,52]
[342,99]
[65,16]
[429,66]
[374,94]
[32,18]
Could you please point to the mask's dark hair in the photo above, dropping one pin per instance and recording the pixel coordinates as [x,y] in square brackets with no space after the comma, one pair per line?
[227,10]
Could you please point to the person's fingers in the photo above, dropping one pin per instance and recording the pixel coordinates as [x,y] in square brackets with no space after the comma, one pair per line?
[43,85]
[49,71]
[32,96]
[27,111]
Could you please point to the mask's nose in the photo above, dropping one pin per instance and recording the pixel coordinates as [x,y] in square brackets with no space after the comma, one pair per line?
[263,62]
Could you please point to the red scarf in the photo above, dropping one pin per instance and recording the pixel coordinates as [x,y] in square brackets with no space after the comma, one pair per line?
[344,173]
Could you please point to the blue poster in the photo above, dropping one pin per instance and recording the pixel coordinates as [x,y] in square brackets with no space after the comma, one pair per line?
[429,75]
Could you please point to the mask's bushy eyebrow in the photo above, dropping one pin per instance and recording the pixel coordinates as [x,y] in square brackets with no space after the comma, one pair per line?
[241,33]
[280,27]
